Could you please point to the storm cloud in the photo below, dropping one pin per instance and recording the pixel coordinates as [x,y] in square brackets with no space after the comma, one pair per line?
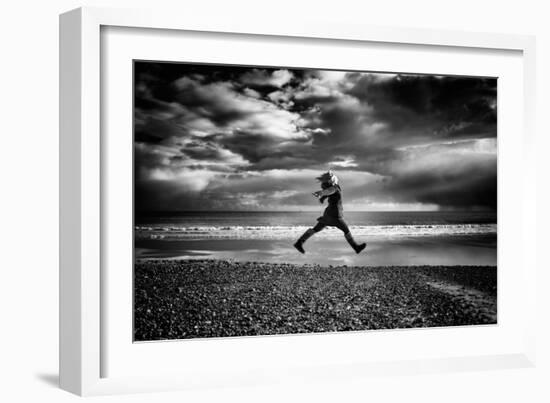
[251,138]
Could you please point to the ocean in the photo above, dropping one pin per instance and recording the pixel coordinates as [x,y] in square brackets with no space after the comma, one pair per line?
[289,225]
[393,238]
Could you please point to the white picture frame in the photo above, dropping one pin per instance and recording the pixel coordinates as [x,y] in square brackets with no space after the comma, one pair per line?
[82,186]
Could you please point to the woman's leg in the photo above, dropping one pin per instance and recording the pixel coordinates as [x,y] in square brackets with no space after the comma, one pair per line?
[306,235]
[347,233]
[318,227]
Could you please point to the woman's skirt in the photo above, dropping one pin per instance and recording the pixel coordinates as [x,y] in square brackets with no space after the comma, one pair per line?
[334,222]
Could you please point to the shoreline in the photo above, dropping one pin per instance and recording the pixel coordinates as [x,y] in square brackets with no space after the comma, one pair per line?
[182,299]
[402,251]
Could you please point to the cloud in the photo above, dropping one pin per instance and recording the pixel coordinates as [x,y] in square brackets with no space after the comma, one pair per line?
[459,174]
[221,108]
[450,107]
[283,188]
[259,77]
[249,92]
[343,162]
[194,180]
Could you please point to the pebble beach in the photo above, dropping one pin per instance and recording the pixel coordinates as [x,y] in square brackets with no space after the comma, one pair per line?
[183,299]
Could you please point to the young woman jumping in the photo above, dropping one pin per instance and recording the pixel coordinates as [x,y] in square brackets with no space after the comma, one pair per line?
[333,215]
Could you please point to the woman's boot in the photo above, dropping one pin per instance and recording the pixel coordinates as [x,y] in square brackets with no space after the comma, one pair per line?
[300,242]
[351,241]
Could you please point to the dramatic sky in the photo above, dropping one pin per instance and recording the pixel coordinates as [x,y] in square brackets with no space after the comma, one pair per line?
[245,138]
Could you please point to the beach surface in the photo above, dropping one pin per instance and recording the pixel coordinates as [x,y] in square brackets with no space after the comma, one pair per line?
[197,298]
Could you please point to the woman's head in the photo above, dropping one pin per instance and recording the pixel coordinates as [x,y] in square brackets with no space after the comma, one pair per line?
[328,179]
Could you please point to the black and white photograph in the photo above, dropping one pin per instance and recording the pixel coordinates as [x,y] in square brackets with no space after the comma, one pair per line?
[282,200]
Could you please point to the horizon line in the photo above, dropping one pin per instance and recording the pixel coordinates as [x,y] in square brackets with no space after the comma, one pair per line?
[314,211]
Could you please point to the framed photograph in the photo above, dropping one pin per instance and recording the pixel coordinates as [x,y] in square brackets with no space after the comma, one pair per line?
[237,198]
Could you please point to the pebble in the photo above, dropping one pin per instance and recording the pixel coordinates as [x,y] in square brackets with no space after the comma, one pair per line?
[222,298]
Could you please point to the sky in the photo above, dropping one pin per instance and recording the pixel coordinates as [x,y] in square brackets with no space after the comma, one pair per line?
[212,137]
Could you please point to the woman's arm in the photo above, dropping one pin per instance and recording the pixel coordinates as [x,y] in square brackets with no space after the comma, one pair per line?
[325,192]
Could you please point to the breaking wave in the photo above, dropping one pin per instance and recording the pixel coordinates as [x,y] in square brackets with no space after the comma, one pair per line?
[291,232]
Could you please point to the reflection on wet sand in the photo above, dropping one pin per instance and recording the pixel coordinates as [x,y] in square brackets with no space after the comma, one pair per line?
[452,250]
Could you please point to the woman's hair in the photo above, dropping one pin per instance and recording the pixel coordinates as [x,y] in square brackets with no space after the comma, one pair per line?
[328,177]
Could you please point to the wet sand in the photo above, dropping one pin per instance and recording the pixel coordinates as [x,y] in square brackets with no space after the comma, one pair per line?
[196,298]
[466,250]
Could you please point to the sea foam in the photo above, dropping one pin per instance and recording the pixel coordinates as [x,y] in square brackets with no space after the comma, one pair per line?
[291,232]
